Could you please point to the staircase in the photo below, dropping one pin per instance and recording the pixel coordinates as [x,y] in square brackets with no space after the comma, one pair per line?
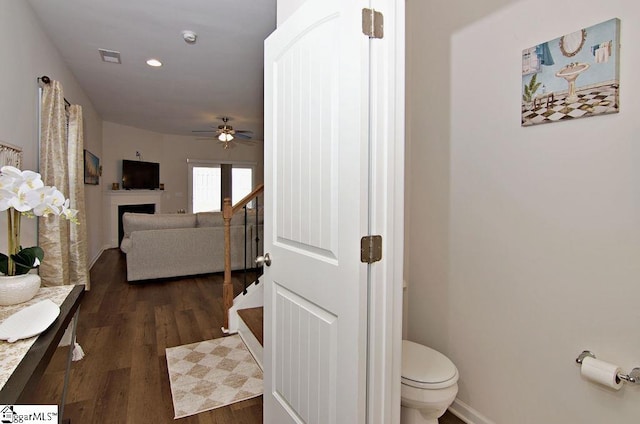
[246,318]
[229,303]
[250,328]
[243,314]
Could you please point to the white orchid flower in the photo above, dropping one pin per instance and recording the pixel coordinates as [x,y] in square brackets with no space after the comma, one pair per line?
[12,176]
[69,213]
[8,183]
[32,180]
[5,198]
[46,201]
[22,200]
[12,171]
[56,198]
[25,192]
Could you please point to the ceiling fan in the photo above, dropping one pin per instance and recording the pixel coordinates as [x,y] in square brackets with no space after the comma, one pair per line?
[225,133]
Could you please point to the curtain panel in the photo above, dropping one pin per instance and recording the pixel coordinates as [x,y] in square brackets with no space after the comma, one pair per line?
[61,165]
[78,263]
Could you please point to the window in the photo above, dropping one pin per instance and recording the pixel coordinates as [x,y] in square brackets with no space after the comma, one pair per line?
[211,182]
[241,183]
[206,190]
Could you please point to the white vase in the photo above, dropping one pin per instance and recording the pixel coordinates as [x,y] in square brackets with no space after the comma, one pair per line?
[18,288]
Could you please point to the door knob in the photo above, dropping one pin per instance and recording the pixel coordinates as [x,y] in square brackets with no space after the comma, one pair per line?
[263,260]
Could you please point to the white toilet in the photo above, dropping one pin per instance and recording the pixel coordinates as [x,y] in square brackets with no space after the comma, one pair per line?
[429,384]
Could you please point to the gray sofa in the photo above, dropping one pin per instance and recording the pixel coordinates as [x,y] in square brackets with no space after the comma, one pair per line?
[172,245]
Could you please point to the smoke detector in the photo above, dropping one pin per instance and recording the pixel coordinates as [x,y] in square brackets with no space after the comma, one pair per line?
[189,37]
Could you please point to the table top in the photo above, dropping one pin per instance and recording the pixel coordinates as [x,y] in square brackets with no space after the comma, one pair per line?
[22,363]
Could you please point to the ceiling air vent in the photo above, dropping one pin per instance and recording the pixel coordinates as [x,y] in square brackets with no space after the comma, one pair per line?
[110,56]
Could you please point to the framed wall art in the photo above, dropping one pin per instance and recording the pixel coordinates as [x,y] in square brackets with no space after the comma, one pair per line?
[573,76]
[91,168]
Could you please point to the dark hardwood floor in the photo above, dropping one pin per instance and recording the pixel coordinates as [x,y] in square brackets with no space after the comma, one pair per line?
[449,418]
[124,330]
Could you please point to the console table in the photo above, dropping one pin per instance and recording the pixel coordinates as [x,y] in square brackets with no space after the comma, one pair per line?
[22,363]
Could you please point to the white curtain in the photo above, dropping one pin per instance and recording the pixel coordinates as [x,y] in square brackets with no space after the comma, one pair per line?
[61,165]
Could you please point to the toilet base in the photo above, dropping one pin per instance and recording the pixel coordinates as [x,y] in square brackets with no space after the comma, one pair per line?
[414,416]
[421,406]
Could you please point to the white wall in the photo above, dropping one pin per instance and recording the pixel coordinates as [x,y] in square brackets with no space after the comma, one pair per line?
[285,8]
[428,127]
[172,152]
[536,257]
[28,54]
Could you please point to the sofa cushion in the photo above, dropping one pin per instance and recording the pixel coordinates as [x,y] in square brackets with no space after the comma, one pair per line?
[143,221]
[214,219]
[125,245]
[209,219]
[251,216]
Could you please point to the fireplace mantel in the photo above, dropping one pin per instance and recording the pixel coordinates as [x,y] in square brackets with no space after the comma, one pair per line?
[115,198]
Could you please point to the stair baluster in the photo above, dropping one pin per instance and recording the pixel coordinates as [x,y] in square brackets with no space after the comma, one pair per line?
[227,213]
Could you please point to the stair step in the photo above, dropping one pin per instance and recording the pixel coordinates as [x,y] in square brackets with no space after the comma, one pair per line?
[253,318]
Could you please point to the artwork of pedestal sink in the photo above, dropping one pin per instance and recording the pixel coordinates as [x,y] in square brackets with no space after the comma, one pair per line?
[571,72]
[573,76]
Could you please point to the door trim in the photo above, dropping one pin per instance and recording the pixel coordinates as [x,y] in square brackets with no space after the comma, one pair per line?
[387,217]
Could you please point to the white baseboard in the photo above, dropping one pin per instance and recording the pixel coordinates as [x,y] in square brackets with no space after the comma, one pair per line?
[95,258]
[467,413]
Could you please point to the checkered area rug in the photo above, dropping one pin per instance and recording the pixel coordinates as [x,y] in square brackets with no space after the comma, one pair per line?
[594,101]
[212,374]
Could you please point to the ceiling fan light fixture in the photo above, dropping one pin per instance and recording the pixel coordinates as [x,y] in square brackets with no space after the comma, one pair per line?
[225,137]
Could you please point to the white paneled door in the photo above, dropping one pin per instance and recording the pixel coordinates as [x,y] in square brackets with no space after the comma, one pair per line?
[334,157]
[316,211]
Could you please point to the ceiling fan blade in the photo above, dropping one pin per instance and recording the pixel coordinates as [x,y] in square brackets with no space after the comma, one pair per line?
[202,131]
[240,135]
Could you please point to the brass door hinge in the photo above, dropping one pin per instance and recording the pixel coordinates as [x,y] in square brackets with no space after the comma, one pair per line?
[372,23]
[370,249]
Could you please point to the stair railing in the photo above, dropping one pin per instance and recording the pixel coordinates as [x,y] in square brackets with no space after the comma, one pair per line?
[250,256]
[227,213]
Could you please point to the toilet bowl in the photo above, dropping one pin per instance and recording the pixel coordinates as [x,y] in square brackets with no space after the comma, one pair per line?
[429,384]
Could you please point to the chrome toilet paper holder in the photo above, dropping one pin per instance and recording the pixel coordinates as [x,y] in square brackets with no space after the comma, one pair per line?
[632,377]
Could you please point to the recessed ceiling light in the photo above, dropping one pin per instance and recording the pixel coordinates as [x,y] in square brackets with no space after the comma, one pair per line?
[154,62]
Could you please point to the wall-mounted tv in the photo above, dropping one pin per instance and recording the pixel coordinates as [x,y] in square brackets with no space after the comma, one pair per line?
[140,175]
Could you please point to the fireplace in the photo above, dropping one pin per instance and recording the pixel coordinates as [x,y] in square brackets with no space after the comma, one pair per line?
[143,208]
[115,199]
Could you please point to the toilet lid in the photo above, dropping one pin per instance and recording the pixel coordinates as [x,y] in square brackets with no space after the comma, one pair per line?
[424,367]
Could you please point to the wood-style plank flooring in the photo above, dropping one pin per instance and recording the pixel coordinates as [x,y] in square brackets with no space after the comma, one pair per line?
[124,330]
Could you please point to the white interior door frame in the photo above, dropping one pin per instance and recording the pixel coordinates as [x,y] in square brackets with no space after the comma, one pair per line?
[387,215]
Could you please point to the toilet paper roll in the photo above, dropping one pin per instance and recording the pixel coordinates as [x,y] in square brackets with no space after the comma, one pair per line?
[601,372]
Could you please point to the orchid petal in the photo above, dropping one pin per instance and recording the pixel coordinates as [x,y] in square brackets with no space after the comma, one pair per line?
[7,183]
[11,171]
[32,179]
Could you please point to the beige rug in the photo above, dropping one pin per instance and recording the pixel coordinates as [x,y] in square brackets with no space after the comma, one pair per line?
[211,374]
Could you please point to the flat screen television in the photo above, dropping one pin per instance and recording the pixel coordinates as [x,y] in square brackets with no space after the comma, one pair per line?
[140,175]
